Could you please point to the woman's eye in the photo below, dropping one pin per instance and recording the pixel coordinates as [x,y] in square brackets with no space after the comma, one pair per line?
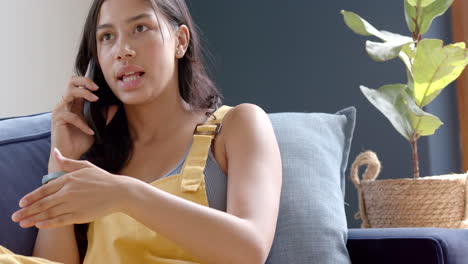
[106,36]
[141,28]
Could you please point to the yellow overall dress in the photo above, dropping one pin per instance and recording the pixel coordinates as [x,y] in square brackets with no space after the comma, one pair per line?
[120,239]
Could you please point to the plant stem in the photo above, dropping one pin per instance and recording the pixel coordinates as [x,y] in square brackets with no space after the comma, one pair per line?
[414,138]
[414,149]
[416,36]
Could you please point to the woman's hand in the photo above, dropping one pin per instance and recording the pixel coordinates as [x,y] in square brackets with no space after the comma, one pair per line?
[70,132]
[85,193]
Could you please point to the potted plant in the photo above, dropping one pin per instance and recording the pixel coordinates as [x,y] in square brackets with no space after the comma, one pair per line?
[436,201]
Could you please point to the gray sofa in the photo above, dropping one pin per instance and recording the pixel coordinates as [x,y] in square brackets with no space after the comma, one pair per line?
[311,225]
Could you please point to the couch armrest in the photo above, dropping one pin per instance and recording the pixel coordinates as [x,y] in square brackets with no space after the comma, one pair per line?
[408,245]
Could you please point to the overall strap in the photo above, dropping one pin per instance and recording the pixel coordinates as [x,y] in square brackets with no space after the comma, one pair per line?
[192,172]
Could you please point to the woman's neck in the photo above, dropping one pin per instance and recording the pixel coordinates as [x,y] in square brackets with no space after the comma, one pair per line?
[158,119]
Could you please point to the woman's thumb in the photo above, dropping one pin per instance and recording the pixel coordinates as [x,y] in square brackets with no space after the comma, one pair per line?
[70,165]
[58,155]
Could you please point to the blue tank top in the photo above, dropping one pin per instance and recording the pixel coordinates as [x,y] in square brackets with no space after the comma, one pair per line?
[215,181]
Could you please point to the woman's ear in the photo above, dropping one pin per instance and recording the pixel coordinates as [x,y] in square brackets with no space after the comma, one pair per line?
[182,41]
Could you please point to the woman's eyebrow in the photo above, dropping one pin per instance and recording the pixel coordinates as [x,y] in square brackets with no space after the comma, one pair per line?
[140,16]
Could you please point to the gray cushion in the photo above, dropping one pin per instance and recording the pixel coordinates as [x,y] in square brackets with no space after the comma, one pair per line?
[311,224]
[314,148]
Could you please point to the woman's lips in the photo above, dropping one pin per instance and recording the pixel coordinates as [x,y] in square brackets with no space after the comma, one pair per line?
[131,82]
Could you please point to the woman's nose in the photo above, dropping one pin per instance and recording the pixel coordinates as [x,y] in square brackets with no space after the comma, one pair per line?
[125,52]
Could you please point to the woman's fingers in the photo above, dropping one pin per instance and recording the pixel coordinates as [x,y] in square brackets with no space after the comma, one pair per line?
[59,221]
[79,81]
[63,118]
[43,215]
[78,89]
[37,201]
[70,108]
[77,93]
[42,192]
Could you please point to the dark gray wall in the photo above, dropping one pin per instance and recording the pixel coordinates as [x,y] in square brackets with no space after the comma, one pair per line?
[300,56]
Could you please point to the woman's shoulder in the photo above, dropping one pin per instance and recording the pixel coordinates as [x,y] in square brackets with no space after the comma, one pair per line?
[244,126]
[244,114]
[244,119]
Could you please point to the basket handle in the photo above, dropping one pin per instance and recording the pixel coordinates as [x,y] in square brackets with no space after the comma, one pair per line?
[369,159]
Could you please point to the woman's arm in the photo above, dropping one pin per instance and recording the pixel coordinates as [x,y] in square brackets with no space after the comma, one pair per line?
[57,244]
[245,233]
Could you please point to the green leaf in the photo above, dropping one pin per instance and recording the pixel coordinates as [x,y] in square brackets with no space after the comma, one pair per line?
[359,25]
[419,14]
[388,49]
[422,3]
[394,37]
[407,54]
[379,51]
[423,123]
[410,82]
[438,8]
[401,110]
[389,101]
[410,16]
[435,67]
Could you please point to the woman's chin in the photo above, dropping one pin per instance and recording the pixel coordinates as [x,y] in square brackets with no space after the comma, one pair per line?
[135,100]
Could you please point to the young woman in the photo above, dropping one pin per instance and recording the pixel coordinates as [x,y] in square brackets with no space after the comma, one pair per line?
[178,178]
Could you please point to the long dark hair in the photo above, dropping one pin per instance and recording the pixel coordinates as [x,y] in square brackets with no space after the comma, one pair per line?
[195,87]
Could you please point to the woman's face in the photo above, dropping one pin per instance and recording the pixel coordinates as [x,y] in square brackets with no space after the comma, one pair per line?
[130,39]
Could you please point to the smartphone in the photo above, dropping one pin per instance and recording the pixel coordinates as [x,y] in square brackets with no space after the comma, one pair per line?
[92,111]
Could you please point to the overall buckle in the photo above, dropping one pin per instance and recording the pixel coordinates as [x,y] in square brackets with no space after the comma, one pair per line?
[210,133]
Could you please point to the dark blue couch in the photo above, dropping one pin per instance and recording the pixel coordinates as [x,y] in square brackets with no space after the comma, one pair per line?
[408,245]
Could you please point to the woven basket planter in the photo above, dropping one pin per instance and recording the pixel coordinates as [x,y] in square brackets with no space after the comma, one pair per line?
[436,201]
